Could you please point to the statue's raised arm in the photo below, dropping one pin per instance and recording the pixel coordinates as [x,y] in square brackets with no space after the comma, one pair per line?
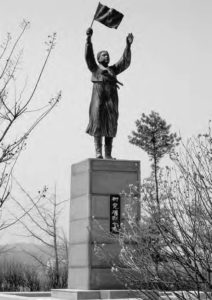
[125,60]
[89,55]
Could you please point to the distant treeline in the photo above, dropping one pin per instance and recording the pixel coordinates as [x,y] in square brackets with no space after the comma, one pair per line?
[17,276]
[19,271]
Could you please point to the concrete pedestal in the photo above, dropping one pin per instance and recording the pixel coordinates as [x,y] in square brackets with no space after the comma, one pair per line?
[93,181]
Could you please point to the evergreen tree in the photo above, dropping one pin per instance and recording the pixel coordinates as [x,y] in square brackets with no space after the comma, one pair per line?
[153,136]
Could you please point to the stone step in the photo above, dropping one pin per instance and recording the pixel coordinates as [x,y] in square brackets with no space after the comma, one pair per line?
[71,294]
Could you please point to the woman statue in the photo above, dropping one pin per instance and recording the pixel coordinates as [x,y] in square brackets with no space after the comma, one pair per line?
[103,112]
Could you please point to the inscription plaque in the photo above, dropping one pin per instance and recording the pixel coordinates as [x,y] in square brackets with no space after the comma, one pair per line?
[115,213]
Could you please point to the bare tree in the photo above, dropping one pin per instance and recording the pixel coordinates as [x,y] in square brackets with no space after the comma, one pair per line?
[41,222]
[16,102]
[181,238]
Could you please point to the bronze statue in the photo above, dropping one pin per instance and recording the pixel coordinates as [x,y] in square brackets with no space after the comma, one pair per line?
[103,112]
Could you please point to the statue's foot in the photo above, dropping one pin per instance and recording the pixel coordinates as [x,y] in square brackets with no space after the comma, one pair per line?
[110,157]
[99,157]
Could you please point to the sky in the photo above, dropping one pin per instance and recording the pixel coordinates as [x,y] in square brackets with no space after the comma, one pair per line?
[170,73]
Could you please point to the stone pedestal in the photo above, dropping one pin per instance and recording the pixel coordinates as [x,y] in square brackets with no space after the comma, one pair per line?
[93,181]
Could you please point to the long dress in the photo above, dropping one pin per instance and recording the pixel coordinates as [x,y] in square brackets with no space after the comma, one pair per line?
[103,111]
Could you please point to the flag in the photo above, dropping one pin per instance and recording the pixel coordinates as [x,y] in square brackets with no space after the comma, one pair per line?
[108,16]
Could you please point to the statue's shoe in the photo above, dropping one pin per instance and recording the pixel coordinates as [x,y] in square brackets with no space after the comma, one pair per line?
[110,157]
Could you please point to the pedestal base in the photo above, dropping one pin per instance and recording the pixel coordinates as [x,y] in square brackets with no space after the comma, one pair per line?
[93,183]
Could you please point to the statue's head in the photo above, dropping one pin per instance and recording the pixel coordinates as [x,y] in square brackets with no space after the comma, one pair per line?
[103,58]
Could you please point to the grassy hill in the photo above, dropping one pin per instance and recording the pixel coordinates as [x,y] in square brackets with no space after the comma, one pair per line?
[23,253]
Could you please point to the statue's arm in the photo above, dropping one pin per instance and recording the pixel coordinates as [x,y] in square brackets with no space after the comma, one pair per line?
[89,54]
[125,60]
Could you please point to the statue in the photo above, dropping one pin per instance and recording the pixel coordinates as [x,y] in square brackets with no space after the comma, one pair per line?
[103,111]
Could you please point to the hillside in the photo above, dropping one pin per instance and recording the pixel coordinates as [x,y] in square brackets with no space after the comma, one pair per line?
[20,252]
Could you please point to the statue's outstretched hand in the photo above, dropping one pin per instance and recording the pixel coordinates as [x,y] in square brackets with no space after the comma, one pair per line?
[129,39]
[89,32]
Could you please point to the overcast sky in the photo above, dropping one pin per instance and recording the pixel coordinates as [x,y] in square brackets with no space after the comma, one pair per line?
[171,73]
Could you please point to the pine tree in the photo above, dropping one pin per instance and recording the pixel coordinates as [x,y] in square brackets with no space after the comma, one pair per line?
[153,136]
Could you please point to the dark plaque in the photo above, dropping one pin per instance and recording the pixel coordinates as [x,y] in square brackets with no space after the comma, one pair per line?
[115,213]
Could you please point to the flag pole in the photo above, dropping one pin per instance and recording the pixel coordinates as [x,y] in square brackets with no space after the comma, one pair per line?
[94,15]
[92,22]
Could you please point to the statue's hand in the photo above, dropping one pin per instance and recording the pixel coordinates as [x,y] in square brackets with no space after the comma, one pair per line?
[129,39]
[89,32]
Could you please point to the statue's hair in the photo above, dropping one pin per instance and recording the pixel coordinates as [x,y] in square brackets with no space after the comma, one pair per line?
[99,54]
